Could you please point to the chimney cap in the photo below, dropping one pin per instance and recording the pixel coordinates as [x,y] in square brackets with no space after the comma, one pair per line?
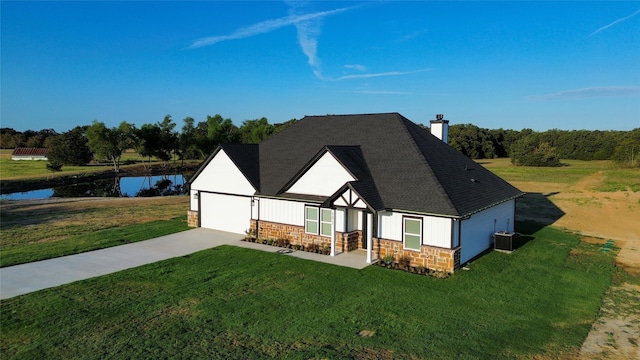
[439,119]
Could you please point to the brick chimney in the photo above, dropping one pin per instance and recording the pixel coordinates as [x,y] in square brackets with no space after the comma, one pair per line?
[440,128]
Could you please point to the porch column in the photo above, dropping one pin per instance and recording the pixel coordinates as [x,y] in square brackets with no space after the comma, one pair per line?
[369,237]
[333,232]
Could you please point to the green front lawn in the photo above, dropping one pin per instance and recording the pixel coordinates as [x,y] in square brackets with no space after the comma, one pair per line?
[74,242]
[236,303]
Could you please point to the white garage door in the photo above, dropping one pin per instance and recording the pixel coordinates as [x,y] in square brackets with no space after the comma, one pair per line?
[225,212]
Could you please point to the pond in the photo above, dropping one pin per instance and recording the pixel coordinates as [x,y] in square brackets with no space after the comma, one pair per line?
[135,186]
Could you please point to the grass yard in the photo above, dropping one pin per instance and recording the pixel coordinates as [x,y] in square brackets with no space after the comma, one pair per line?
[37,230]
[24,169]
[236,303]
[572,171]
[620,180]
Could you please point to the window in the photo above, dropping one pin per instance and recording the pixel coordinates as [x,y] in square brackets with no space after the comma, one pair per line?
[412,233]
[325,222]
[311,220]
[317,221]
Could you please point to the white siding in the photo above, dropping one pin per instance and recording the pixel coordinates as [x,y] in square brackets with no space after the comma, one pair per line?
[222,175]
[477,231]
[225,212]
[282,211]
[339,220]
[324,178]
[194,201]
[436,231]
[354,219]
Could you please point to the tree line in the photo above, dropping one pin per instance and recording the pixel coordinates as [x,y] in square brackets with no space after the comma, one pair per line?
[531,148]
[164,141]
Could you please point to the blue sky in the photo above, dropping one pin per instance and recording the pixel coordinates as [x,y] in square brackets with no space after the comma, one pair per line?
[540,65]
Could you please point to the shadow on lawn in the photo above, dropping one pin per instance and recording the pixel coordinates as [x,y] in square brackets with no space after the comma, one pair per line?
[535,211]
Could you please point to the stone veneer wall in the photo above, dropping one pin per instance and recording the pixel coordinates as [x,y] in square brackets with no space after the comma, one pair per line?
[430,257]
[192,218]
[295,234]
[345,242]
[433,258]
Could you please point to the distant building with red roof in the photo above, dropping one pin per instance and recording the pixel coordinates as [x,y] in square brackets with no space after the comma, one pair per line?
[29,154]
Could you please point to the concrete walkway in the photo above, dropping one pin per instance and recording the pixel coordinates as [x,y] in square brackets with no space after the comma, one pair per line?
[22,279]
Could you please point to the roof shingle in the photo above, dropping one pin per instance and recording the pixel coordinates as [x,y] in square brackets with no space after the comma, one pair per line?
[398,165]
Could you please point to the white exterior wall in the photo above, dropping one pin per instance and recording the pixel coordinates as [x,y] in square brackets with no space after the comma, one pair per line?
[282,211]
[323,178]
[477,231]
[193,202]
[339,220]
[354,219]
[29,157]
[222,175]
[436,231]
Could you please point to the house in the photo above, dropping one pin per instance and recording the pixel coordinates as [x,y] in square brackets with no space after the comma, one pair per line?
[377,182]
[29,154]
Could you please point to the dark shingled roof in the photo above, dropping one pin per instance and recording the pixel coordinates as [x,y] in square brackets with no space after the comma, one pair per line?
[30,151]
[398,165]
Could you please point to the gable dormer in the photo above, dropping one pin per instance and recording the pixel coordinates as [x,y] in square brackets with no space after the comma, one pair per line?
[322,176]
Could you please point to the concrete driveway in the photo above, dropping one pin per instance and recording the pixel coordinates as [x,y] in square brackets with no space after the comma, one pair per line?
[25,278]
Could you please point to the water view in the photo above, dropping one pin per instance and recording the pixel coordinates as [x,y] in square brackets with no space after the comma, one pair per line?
[136,186]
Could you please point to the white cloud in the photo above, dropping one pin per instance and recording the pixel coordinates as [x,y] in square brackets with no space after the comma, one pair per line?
[372,75]
[379,92]
[308,26]
[301,20]
[413,35]
[356,67]
[590,92]
[615,22]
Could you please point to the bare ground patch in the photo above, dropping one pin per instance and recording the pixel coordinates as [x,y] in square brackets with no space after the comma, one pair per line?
[597,217]
[616,333]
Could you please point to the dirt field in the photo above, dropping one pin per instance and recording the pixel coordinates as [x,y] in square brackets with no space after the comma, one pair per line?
[598,216]
[606,215]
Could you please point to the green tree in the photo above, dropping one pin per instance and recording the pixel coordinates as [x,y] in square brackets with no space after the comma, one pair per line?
[255,131]
[473,141]
[109,143]
[70,148]
[187,139]
[221,131]
[8,137]
[279,127]
[529,151]
[169,144]
[627,153]
[148,141]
